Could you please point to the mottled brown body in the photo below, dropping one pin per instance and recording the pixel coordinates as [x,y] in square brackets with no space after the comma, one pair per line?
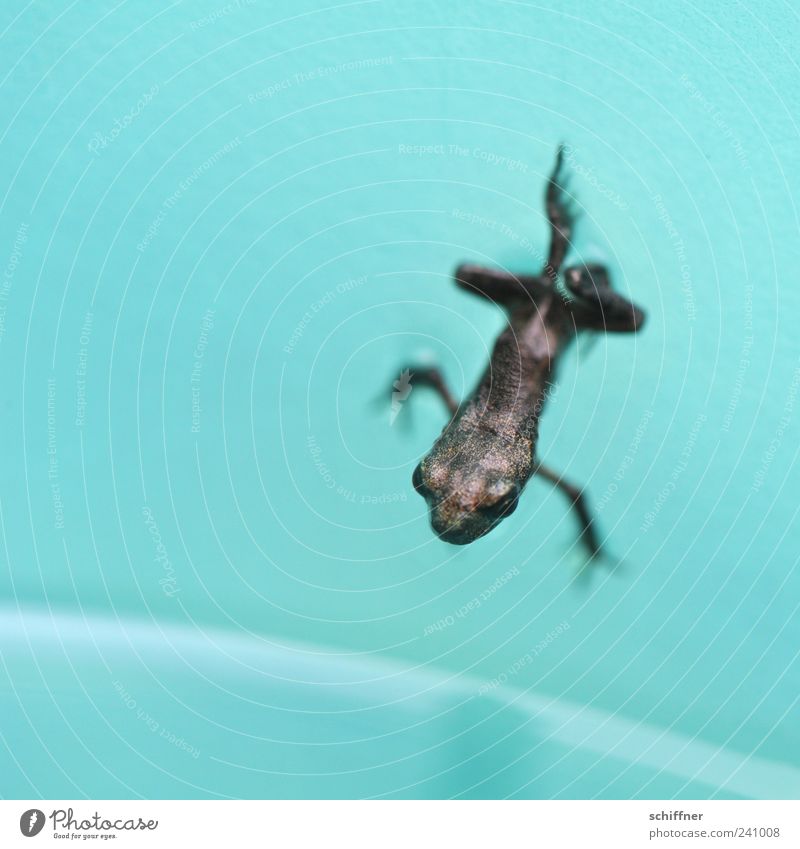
[476,470]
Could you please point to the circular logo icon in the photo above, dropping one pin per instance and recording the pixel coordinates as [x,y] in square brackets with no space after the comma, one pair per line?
[31,822]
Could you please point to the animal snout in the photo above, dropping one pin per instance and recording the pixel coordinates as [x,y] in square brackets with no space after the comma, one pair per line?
[462,513]
[460,524]
[458,531]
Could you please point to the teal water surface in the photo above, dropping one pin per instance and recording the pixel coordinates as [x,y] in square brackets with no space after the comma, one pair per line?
[224,229]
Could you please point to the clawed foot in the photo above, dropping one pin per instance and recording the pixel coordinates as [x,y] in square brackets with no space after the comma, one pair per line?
[407,380]
[561,212]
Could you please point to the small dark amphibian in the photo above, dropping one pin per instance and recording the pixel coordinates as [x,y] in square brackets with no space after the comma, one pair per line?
[473,476]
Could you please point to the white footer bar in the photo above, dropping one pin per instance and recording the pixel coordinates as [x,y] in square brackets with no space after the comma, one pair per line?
[402,824]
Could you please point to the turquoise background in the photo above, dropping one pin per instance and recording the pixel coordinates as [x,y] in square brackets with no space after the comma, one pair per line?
[244,263]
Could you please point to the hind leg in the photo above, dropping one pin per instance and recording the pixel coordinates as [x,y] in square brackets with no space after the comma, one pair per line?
[499,286]
[504,288]
[597,306]
[421,376]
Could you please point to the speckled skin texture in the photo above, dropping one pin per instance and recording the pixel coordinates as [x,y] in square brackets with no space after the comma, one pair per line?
[476,470]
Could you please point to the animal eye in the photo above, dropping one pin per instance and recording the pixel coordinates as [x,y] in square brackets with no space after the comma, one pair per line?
[506,505]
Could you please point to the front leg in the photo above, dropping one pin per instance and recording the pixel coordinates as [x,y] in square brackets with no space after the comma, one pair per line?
[575,495]
[421,376]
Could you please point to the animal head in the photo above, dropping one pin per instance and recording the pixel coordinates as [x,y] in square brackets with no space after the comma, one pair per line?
[470,488]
